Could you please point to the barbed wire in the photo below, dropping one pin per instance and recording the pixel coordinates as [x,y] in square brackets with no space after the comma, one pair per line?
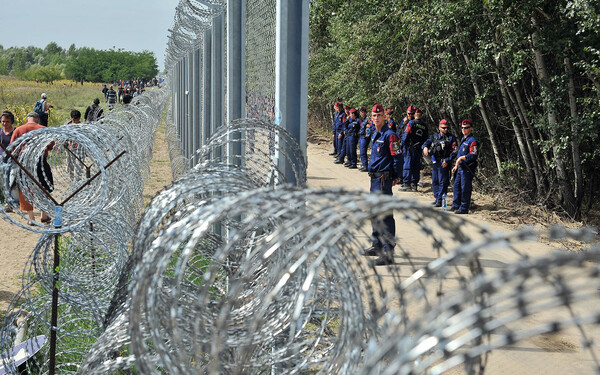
[234,269]
[558,289]
[95,173]
[192,18]
[273,279]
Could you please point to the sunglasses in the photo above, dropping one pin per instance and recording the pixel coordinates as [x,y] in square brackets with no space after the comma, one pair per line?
[443,127]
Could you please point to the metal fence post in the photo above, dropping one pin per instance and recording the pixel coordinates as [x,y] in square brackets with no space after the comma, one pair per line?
[190,102]
[291,81]
[207,86]
[196,105]
[218,81]
[236,85]
[183,111]
[236,21]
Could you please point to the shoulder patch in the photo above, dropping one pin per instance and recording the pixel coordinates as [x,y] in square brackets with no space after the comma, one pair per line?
[473,149]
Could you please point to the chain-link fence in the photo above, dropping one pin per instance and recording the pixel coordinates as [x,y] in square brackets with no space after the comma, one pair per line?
[237,267]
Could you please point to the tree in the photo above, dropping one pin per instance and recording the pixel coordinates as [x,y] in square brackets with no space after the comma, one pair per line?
[526,72]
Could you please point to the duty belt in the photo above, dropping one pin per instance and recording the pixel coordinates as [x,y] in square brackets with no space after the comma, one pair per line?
[385,175]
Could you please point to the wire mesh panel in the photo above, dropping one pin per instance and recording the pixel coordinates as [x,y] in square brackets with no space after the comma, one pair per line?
[260,59]
[237,268]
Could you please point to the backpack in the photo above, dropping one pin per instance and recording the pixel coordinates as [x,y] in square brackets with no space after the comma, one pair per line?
[39,107]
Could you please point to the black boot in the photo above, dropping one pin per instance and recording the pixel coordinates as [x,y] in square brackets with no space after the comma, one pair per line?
[372,252]
[385,259]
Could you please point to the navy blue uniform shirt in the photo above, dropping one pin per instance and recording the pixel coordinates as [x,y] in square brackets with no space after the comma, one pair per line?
[468,148]
[365,127]
[353,126]
[385,152]
[449,144]
[338,121]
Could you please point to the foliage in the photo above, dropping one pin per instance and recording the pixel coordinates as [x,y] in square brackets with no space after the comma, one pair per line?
[47,74]
[109,66]
[79,64]
[530,68]
[19,97]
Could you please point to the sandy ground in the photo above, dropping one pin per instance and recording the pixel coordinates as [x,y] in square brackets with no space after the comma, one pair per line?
[17,243]
[551,354]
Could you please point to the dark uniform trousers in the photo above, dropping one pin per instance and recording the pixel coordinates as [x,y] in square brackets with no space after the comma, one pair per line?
[440,179]
[384,229]
[364,146]
[463,187]
[411,173]
[341,146]
[351,142]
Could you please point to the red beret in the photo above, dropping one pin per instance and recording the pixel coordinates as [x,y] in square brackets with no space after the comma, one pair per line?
[443,122]
[377,108]
[353,110]
[389,111]
[418,111]
[338,104]
[363,109]
[346,107]
[411,109]
[466,122]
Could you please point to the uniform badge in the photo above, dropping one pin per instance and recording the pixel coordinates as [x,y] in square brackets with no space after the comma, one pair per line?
[378,149]
[396,146]
[475,149]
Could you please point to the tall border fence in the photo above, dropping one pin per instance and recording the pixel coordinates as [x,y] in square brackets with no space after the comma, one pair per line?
[238,59]
[238,268]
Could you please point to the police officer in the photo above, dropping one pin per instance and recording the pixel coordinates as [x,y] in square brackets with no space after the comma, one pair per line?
[466,164]
[389,121]
[410,115]
[384,170]
[415,134]
[342,137]
[338,120]
[440,147]
[352,138]
[365,137]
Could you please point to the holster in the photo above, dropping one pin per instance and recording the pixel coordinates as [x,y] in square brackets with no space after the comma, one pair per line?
[384,175]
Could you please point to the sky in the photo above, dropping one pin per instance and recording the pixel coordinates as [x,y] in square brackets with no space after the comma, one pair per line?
[133,25]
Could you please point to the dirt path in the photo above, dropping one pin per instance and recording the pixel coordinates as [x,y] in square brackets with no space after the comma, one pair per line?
[17,243]
[550,354]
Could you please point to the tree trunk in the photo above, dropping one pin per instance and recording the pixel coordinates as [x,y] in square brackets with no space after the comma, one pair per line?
[569,201]
[534,133]
[483,111]
[452,112]
[453,117]
[575,151]
[517,103]
[531,170]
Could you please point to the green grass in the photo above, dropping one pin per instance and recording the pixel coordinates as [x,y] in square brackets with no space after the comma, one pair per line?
[19,97]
